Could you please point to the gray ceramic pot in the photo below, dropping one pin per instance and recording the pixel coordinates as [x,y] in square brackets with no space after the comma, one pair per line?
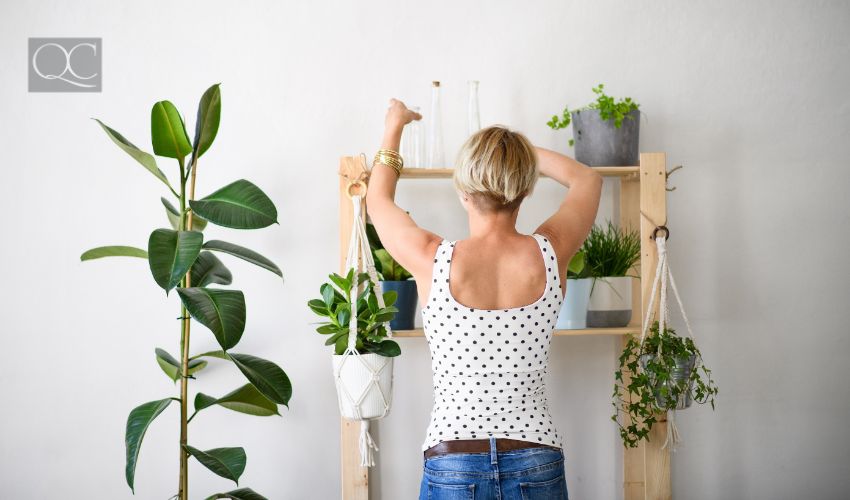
[599,143]
[680,373]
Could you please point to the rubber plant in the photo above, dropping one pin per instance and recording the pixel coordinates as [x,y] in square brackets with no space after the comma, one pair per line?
[180,258]
[334,307]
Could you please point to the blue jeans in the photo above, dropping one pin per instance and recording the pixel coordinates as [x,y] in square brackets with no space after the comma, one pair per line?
[525,474]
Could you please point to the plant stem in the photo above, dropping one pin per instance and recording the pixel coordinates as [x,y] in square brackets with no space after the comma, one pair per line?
[186,224]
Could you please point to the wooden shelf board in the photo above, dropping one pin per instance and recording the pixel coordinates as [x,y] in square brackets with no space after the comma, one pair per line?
[634,330]
[445,173]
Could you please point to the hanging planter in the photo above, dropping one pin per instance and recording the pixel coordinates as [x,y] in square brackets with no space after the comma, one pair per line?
[605,132]
[611,253]
[396,278]
[357,315]
[573,313]
[661,371]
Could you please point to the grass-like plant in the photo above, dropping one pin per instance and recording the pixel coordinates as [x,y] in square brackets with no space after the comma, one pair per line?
[609,109]
[335,306]
[663,371]
[611,251]
[179,257]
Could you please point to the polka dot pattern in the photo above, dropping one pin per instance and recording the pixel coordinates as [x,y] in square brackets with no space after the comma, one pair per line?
[489,365]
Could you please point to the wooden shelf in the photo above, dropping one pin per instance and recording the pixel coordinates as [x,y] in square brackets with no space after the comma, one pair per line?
[445,173]
[634,330]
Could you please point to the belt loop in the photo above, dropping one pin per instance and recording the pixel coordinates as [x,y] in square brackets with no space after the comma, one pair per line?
[493,450]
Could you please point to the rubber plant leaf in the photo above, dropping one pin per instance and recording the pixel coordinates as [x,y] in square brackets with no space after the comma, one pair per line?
[171,367]
[228,463]
[208,269]
[243,253]
[209,116]
[113,251]
[222,311]
[246,399]
[266,376]
[145,159]
[137,424]
[171,254]
[168,134]
[240,494]
[239,205]
[198,224]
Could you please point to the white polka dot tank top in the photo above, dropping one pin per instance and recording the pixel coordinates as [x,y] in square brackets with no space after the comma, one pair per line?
[489,365]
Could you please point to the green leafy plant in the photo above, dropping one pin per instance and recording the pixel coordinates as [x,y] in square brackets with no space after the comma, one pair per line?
[181,258]
[661,373]
[388,268]
[577,268]
[609,109]
[611,251]
[335,306]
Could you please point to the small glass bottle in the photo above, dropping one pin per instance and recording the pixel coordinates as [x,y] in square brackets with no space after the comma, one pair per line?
[413,142]
[436,157]
[473,116]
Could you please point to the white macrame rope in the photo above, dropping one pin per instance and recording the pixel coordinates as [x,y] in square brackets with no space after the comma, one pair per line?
[359,257]
[663,275]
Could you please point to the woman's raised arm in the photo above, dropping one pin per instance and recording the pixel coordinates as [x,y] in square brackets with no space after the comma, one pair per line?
[569,226]
[410,245]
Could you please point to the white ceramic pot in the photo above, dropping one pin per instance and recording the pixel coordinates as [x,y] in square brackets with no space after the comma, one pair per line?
[610,302]
[356,379]
[573,313]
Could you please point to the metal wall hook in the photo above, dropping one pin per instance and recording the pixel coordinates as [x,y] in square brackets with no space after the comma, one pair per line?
[667,177]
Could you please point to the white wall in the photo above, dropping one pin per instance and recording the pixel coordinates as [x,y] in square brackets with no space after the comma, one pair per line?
[750,96]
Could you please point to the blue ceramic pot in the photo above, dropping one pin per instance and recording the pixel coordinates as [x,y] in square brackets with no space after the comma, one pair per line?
[406,303]
[573,314]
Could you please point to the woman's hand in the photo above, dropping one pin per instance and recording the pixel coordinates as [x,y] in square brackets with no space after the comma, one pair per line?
[398,115]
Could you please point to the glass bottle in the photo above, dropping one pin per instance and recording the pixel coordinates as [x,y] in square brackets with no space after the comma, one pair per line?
[473,116]
[413,143]
[436,157]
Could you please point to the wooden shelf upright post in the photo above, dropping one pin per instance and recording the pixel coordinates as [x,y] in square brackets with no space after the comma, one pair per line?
[646,469]
[354,477]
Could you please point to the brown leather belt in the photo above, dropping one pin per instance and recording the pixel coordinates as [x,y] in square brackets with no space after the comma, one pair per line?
[480,446]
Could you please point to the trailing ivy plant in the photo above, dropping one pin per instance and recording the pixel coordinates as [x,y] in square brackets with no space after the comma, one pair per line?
[611,251]
[609,109]
[657,382]
[335,306]
[388,268]
[180,257]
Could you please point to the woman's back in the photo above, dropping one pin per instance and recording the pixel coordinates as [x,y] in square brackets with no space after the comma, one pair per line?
[489,364]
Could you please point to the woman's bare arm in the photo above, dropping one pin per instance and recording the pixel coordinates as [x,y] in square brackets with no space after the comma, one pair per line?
[412,246]
[569,226]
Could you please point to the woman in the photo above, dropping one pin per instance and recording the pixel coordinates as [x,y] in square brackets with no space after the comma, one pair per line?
[487,323]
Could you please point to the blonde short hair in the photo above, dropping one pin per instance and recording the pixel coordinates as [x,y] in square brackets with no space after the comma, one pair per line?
[497,167]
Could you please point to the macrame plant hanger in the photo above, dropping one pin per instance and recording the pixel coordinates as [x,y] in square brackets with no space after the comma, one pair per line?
[354,398]
[663,275]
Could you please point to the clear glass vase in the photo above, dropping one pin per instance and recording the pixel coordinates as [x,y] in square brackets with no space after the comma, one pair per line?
[473,116]
[436,155]
[413,143]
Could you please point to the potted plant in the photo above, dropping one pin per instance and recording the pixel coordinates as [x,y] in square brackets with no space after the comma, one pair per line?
[573,313]
[183,259]
[665,373]
[372,344]
[394,277]
[605,132]
[610,254]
